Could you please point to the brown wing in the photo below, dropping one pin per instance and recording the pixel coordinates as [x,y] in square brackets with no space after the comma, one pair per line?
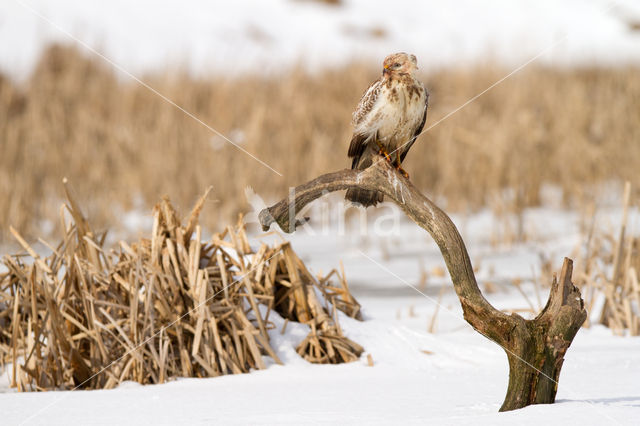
[357,147]
[418,130]
[368,100]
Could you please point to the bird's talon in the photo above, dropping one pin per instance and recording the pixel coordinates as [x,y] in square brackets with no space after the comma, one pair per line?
[385,154]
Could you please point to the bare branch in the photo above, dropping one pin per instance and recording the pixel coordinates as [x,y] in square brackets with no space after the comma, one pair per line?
[384,178]
[535,348]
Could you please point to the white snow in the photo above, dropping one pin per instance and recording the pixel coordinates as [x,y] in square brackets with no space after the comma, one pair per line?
[454,376]
[268,35]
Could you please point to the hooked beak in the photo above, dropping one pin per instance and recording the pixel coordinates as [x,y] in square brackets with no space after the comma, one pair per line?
[385,70]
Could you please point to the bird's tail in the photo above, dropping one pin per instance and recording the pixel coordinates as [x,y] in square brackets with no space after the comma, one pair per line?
[364,197]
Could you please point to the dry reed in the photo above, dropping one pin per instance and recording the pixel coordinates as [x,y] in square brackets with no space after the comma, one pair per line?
[123,145]
[169,306]
[608,276]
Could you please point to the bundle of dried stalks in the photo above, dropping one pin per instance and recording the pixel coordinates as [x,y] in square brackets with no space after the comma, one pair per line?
[164,307]
[609,274]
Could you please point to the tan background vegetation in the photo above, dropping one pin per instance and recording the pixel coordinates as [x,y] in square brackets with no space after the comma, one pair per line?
[118,143]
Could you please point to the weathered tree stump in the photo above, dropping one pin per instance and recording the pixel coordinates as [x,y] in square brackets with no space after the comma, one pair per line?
[535,348]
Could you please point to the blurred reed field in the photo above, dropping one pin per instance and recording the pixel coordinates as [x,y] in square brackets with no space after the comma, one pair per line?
[120,144]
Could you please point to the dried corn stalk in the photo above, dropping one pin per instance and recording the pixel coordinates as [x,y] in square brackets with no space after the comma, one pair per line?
[164,307]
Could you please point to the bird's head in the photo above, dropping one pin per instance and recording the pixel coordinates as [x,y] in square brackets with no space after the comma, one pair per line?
[399,63]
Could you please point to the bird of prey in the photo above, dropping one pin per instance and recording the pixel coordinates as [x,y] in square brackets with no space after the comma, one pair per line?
[387,121]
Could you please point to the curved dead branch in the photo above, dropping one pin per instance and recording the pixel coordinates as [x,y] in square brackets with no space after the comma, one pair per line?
[535,348]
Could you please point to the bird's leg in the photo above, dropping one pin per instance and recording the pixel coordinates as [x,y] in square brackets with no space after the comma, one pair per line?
[382,150]
[400,169]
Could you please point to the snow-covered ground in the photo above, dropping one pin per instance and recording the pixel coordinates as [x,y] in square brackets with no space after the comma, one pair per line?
[463,381]
[452,376]
[269,35]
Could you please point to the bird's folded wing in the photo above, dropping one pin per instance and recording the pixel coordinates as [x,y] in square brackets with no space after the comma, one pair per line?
[367,102]
[418,130]
[357,146]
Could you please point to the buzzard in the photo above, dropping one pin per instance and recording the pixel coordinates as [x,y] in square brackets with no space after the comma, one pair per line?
[387,121]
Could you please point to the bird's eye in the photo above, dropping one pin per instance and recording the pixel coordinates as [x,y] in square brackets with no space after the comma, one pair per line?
[396,65]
